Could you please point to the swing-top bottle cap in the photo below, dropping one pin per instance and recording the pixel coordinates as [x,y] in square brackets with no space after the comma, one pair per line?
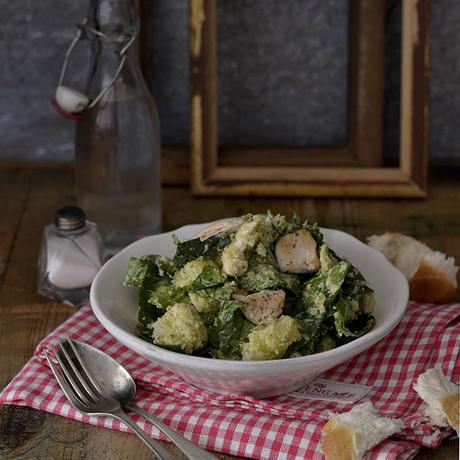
[70,99]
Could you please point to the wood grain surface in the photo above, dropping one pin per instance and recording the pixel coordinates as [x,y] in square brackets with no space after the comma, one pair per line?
[29,195]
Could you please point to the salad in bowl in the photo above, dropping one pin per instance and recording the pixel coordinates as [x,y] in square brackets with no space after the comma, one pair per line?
[258,287]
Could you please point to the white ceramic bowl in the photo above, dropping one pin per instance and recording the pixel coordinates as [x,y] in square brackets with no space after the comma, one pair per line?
[115,307]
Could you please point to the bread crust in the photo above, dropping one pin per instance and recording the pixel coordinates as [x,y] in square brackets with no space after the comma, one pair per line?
[338,442]
[449,405]
[430,284]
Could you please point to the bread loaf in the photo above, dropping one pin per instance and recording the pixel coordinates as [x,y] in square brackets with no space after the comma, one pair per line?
[431,274]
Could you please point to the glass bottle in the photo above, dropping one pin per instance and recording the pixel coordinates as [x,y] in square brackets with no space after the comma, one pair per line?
[117,155]
[71,254]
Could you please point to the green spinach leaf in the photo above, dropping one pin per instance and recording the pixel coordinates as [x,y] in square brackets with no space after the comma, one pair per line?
[320,292]
[262,276]
[165,294]
[209,277]
[231,329]
[193,249]
[349,323]
[147,313]
[138,267]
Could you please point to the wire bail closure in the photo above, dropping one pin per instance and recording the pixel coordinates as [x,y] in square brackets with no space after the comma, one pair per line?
[70,102]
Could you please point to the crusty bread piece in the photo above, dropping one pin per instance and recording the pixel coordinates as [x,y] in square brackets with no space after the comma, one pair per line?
[350,435]
[442,397]
[432,275]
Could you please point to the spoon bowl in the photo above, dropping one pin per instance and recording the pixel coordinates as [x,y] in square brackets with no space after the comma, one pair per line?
[112,378]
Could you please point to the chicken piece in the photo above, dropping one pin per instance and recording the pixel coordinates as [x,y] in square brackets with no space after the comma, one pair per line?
[262,305]
[223,225]
[296,253]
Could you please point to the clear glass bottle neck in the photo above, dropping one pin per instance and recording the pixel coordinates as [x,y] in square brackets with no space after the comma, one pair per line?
[117,19]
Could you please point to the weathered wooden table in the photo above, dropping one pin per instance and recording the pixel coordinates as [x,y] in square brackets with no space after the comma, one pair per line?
[29,194]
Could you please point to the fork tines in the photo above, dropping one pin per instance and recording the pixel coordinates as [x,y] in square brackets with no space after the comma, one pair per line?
[76,372]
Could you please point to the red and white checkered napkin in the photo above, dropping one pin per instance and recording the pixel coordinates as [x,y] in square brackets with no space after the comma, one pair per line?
[285,427]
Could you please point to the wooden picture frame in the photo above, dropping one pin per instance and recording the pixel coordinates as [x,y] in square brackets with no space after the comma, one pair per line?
[362,174]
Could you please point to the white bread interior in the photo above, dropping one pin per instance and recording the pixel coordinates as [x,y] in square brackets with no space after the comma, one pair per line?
[443,263]
[348,436]
[441,397]
[432,275]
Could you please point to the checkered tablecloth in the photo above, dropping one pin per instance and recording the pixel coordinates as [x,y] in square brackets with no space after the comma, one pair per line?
[284,427]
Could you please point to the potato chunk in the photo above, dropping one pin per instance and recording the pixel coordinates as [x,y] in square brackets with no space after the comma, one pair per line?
[271,339]
[234,256]
[181,327]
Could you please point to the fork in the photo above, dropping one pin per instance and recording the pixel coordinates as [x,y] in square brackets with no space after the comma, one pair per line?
[87,399]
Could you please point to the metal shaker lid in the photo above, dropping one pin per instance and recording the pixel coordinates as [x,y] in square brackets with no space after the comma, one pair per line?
[69,218]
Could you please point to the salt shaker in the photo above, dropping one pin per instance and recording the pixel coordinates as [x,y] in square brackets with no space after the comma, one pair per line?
[71,254]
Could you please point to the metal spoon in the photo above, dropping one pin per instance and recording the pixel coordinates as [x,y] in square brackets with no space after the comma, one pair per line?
[113,380]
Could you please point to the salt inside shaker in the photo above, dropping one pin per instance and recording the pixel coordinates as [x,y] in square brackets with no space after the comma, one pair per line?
[71,254]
